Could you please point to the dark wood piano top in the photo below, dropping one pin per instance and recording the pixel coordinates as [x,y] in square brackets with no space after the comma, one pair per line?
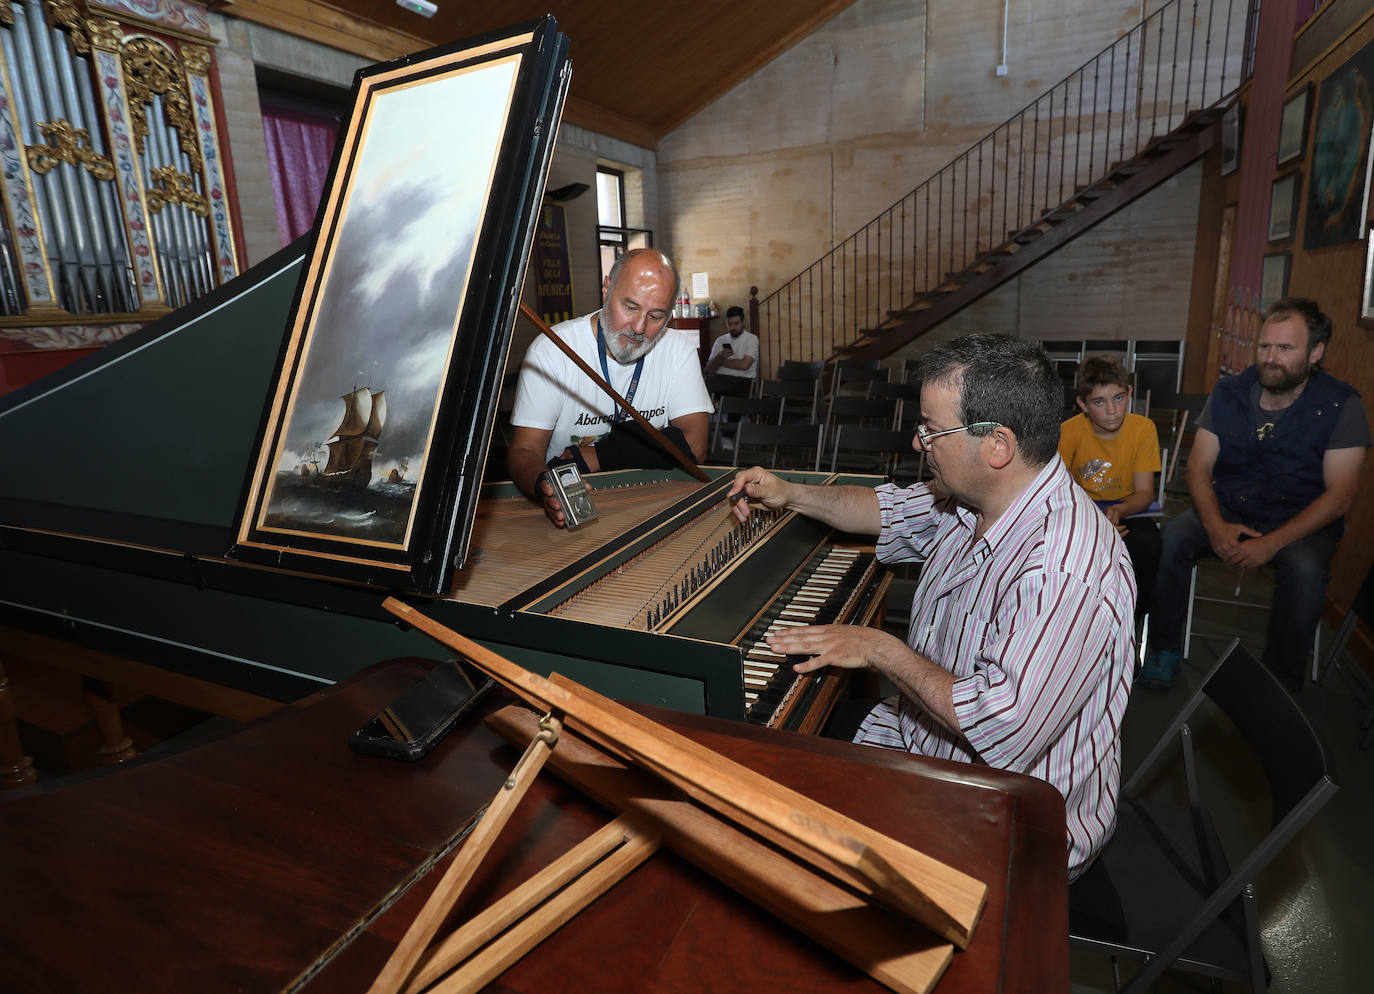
[243,864]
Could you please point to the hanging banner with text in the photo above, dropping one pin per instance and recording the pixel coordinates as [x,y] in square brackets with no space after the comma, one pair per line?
[552,267]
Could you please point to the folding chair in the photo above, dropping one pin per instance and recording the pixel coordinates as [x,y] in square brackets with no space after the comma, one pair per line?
[792,369]
[806,392]
[1236,600]
[806,437]
[879,413]
[900,391]
[1361,609]
[855,371]
[765,409]
[720,385]
[883,445]
[1163,889]
[1171,412]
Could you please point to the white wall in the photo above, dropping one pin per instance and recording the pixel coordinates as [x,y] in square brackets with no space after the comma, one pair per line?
[775,172]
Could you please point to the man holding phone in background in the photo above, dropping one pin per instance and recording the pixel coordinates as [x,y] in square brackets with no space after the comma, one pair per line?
[736,353]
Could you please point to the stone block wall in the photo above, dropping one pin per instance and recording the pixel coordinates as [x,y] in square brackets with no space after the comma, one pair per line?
[243,47]
[789,163]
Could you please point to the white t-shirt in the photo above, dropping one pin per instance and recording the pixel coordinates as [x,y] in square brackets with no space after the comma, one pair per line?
[553,393]
[745,346]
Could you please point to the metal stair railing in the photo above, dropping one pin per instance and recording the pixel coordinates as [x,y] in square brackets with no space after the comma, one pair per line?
[1134,92]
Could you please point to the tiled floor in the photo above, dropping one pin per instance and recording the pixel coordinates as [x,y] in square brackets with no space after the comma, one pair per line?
[1314,898]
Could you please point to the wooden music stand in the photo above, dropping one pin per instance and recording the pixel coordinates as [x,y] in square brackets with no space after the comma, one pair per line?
[824,850]
[490,942]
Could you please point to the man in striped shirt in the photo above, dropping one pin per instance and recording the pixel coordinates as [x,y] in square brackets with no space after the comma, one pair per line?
[1019,653]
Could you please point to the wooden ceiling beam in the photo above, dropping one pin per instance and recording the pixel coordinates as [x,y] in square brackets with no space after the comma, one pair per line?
[709,49]
[328,25]
[336,28]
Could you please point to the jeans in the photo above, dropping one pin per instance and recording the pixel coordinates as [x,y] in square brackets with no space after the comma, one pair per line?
[1303,569]
[1143,545]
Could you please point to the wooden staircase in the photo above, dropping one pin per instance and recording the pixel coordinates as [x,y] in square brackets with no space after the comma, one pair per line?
[1125,182]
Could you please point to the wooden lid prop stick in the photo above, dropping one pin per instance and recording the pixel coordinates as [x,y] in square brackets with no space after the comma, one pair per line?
[945,900]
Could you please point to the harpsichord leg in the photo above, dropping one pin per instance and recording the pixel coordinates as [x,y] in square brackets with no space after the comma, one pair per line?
[16,769]
[115,746]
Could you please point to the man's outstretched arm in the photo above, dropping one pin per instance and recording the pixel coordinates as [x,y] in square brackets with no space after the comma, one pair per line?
[850,509]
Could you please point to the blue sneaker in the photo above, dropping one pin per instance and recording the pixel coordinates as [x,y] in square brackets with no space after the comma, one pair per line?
[1159,669]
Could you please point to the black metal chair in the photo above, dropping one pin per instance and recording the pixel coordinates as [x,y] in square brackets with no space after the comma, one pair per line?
[860,369]
[1171,413]
[897,390]
[720,385]
[1361,609]
[1164,889]
[879,413]
[733,411]
[795,393]
[793,369]
[804,438]
[868,450]
[858,375]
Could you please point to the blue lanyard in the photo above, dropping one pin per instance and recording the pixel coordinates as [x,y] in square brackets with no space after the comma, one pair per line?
[606,373]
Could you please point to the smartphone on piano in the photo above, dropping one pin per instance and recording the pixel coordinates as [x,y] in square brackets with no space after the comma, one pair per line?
[414,723]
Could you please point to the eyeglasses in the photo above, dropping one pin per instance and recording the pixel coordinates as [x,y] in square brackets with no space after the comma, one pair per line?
[925,434]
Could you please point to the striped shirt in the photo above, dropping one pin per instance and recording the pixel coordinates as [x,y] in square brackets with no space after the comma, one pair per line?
[1035,621]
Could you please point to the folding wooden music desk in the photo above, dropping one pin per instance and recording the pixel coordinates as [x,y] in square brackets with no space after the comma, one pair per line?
[275,859]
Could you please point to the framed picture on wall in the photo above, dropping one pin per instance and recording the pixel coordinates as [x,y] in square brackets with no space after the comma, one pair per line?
[1274,279]
[1230,139]
[1293,125]
[1339,163]
[375,434]
[1283,206]
[1367,297]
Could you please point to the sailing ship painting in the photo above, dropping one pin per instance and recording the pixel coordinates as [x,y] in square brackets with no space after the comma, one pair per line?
[357,425]
[337,486]
[342,485]
[355,440]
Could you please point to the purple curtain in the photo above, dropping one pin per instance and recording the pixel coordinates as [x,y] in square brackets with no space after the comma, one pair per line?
[299,148]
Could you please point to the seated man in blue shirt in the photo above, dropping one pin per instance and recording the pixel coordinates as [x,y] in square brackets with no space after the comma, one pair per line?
[1273,470]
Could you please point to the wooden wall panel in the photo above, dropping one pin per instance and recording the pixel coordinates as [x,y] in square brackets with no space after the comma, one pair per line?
[1333,277]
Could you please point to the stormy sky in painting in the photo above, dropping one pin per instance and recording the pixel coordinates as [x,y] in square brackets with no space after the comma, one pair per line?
[392,292]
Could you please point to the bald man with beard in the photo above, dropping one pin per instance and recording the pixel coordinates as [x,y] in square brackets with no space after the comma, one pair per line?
[561,416]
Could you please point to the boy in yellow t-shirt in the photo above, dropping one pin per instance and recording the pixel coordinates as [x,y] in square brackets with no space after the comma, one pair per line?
[1114,455]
